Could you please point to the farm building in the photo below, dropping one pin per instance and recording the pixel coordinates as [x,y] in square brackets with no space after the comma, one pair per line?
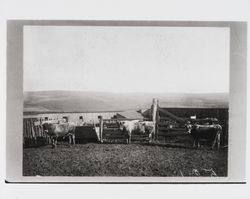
[130,115]
[73,117]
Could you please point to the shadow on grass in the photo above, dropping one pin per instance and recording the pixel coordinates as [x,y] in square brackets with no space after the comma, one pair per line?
[182,146]
[168,145]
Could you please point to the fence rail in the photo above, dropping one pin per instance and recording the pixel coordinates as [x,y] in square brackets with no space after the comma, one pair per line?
[111,131]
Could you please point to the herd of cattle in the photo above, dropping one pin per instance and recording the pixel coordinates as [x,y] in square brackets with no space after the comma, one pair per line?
[211,132]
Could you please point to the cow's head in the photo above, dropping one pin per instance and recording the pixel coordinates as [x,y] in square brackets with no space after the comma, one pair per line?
[142,127]
[47,126]
[121,125]
[189,127]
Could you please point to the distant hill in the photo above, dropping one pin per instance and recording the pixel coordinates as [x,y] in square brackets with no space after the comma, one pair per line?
[81,101]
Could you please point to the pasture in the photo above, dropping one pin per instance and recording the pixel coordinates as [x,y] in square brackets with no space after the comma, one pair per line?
[117,159]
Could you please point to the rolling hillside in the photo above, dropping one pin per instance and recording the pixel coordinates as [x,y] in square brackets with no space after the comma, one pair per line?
[81,101]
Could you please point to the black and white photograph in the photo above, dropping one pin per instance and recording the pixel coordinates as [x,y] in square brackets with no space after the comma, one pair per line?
[124,99]
[127,100]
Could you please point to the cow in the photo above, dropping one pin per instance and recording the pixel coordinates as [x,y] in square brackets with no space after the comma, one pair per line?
[136,125]
[55,130]
[149,128]
[188,127]
[128,127]
[209,132]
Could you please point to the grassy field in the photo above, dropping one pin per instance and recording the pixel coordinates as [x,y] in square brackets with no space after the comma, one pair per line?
[93,159]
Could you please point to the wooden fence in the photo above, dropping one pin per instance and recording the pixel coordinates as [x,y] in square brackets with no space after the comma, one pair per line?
[107,129]
[33,134]
[109,132]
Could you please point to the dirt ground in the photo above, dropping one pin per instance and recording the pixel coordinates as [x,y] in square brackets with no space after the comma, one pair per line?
[117,159]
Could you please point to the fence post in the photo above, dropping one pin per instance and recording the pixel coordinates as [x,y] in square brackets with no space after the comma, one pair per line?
[24,133]
[100,128]
[157,119]
[155,112]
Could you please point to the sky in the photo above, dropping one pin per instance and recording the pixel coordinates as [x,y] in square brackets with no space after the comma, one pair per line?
[126,59]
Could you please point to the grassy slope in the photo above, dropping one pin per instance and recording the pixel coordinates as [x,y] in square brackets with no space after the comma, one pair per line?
[73,101]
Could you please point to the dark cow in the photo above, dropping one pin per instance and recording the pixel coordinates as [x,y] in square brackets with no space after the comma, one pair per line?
[59,130]
[209,132]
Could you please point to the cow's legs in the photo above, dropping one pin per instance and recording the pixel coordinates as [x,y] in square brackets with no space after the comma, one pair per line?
[218,141]
[73,139]
[70,139]
[215,140]
[54,141]
[198,144]
[129,138]
[150,137]
[153,134]
[219,136]
[194,143]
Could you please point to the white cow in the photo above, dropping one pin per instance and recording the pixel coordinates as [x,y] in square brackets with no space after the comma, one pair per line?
[128,127]
[149,128]
[136,125]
